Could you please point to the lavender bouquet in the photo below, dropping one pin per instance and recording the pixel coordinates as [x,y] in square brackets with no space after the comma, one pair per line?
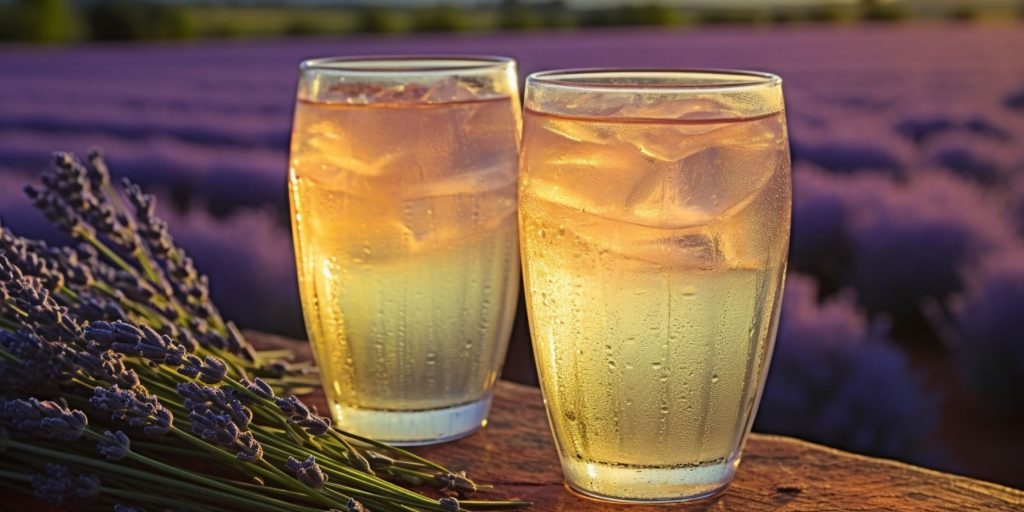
[122,388]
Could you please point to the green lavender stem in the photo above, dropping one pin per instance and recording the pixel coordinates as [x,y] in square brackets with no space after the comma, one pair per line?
[255,502]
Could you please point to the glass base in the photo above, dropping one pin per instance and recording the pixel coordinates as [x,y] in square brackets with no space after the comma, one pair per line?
[647,484]
[412,428]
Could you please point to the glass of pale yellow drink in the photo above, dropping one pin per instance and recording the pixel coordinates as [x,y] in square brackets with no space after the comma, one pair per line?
[403,197]
[654,223]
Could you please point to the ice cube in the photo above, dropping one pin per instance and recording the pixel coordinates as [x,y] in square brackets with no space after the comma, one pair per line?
[580,132]
[450,89]
[590,105]
[473,183]
[672,143]
[365,94]
[709,183]
[606,230]
[698,249]
[440,212]
[688,108]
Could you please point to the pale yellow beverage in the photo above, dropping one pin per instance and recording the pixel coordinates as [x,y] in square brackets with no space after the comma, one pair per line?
[404,219]
[654,251]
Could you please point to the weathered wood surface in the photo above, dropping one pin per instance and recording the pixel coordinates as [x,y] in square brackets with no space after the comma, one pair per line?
[516,453]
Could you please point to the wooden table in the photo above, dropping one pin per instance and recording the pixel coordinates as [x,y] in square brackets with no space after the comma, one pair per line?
[516,453]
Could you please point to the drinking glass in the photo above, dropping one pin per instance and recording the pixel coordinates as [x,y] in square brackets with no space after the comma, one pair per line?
[654,218]
[403,198]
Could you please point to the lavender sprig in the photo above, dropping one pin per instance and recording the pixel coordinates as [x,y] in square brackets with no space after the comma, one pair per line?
[125,508]
[308,472]
[221,420]
[114,445]
[134,409]
[58,485]
[300,415]
[36,362]
[44,419]
[29,297]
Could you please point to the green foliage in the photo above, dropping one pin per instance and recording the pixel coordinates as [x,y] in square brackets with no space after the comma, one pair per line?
[225,30]
[45,21]
[963,13]
[377,20]
[120,20]
[649,14]
[785,16]
[728,16]
[442,18]
[881,10]
[514,15]
[303,27]
[652,14]
[828,14]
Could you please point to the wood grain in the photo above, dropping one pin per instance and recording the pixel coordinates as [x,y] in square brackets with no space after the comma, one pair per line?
[516,453]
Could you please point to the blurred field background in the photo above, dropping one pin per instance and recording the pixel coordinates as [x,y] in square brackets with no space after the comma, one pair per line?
[901,331]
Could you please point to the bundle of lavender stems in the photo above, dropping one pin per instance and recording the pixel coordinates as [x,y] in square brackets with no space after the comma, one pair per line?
[122,387]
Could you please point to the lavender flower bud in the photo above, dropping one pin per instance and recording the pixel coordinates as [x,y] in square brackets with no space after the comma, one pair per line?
[378,461]
[260,387]
[135,409]
[107,333]
[57,485]
[292,407]
[250,449]
[317,426]
[106,365]
[299,414]
[99,175]
[44,419]
[39,361]
[221,421]
[213,370]
[141,341]
[308,472]
[354,506]
[114,446]
[455,482]
[449,504]
[215,428]
[124,508]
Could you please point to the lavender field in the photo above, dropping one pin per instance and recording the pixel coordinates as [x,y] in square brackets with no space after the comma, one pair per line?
[901,328]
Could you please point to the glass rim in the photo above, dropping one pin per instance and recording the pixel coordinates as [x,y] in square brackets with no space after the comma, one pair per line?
[731,80]
[406,65]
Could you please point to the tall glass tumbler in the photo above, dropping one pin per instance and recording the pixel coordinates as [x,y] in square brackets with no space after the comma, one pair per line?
[654,218]
[403,197]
